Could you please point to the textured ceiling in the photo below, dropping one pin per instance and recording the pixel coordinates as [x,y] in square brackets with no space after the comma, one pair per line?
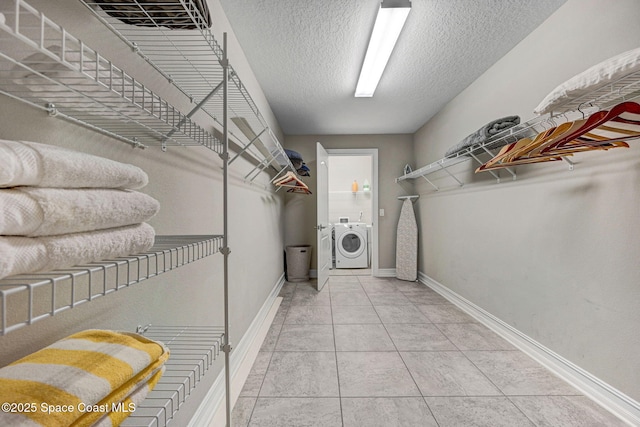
[307,56]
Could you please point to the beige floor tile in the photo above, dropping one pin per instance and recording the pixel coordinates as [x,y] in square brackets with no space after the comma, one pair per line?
[447,373]
[385,412]
[477,412]
[374,374]
[372,337]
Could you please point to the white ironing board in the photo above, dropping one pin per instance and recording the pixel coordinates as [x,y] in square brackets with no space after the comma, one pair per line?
[407,243]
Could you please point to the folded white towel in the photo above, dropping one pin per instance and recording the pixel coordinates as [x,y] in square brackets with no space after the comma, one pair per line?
[19,255]
[32,211]
[42,165]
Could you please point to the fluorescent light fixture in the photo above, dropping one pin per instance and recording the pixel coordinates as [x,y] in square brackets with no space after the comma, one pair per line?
[389,22]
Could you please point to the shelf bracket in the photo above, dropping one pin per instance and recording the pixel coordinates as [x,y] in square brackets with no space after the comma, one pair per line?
[246,147]
[513,174]
[495,175]
[432,184]
[568,161]
[195,109]
[451,175]
[257,169]
[142,329]
[278,175]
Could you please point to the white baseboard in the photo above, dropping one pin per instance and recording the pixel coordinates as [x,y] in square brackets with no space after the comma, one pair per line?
[386,272]
[602,393]
[212,409]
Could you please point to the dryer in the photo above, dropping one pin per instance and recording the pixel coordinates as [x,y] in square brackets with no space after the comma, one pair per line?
[351,245]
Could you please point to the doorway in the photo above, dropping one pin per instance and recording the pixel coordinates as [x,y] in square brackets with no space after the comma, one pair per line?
[352,199]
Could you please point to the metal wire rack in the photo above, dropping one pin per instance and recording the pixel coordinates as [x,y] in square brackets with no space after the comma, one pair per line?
[193,350]
[43,65]
[28,298]
[191,61]
[471,153]
[626,88]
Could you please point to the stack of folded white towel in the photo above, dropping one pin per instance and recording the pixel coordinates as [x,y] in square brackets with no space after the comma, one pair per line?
[60,208]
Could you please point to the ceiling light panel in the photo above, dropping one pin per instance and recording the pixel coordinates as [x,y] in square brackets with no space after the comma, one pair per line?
[386,30]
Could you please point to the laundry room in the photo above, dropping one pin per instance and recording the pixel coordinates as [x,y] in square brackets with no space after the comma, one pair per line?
[372,213]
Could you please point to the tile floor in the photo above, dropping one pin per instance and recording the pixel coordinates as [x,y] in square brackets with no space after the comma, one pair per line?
[369,352]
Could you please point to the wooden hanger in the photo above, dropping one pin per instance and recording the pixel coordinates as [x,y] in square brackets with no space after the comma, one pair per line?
[601,131]
[293,183]
[620,124]
[509,155]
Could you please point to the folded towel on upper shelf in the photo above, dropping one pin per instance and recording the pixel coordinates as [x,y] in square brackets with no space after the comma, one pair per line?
[42,165]
[293,155]
[93,374]
[33,211]
[484,134]
[297,162]
[303,170]
[295,158]
[20,255]
[575,91]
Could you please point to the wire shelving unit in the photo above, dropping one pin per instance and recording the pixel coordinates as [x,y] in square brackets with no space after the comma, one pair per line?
[192,60]
[44,66]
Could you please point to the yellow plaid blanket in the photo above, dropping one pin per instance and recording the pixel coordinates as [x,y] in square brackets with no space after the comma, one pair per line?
[94,377]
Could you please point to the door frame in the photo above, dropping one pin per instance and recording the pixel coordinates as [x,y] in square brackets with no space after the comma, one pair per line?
[323,228]
[373,153]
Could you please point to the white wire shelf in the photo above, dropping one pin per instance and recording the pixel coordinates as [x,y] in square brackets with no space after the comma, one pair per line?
[193,350]
[191,61]
[28,298]
[474,151]
[626,88]
[43,65]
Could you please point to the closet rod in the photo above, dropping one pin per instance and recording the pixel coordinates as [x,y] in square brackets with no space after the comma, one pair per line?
[408,197]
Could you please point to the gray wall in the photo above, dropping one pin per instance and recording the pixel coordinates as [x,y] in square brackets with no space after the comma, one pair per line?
[188,184]
[555,253]
[394,151]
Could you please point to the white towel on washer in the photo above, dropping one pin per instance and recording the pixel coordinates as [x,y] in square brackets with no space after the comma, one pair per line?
[33,211]
[19,255]
[42,165]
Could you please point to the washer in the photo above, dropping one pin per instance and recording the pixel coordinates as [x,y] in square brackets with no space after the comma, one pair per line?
[351,245]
